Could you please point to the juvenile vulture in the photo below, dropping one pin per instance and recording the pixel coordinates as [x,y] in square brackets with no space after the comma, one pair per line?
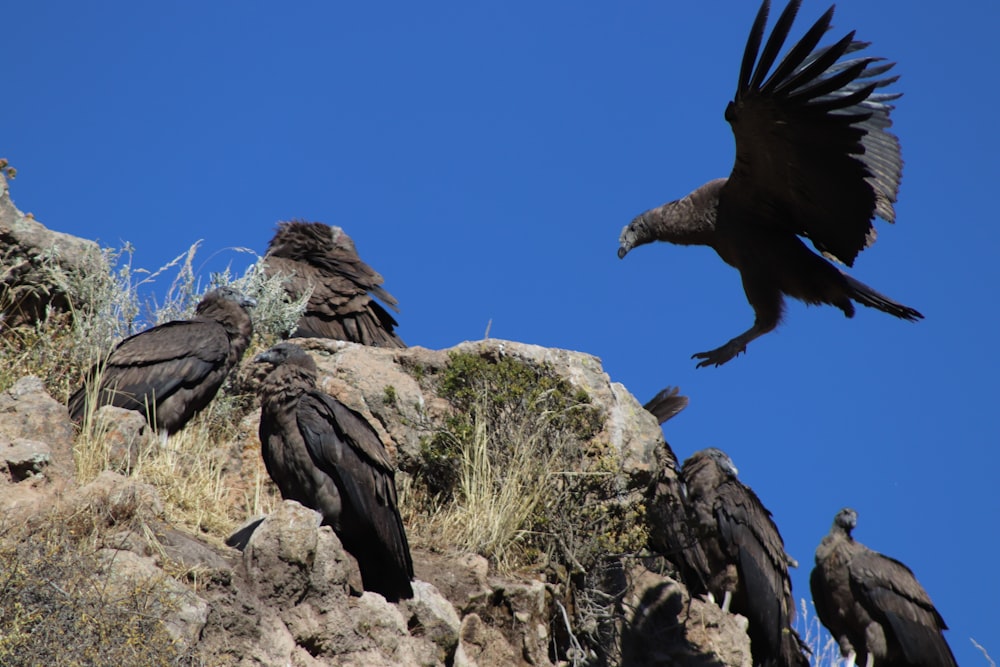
[747,563]
[323,258]
[873,605]
[327,457]
[814,159]
[172,371]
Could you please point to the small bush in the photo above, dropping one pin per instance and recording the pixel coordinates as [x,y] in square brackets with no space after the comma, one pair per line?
[56,607]
[517,474]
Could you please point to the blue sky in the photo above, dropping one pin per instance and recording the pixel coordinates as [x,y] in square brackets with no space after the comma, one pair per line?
[484,157]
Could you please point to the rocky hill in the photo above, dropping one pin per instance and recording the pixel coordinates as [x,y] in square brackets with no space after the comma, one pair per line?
[530,485]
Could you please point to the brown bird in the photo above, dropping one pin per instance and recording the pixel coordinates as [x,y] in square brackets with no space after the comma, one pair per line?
[747,563]
[322,258]
[327,457]
[873,605]
[172,371]
[814,159]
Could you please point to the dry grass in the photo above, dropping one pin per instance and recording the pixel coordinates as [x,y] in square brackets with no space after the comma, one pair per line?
[209,475]
[205,478]
[825,650]
[517,476]
[508,476]
[57,607]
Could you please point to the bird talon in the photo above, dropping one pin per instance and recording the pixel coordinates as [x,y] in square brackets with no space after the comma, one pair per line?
[718,356]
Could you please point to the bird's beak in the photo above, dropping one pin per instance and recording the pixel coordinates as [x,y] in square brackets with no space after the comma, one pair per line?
[248,302]
[267,356]
[622,251]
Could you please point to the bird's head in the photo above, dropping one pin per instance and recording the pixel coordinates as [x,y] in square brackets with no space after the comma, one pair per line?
[341,241]
[284,353]
[632,235]
[231,294]
[846,520]
[722,460]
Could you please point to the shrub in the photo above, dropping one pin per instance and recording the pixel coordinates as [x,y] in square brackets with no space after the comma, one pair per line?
[56,607]
[518,474]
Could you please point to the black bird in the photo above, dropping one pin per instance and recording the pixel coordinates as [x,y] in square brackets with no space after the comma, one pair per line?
[873,605]
[318,257]
[172,371]
[814,159]
[327,457]
[747,563]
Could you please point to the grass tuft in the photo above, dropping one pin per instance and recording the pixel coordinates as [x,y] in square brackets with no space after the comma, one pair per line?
[517,474]
[57,606]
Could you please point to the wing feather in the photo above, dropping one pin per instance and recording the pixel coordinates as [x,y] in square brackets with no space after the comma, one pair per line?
[343,444]
[813,151]
[893,596]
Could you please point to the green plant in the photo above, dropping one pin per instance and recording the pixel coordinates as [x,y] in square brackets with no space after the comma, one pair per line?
[517,473]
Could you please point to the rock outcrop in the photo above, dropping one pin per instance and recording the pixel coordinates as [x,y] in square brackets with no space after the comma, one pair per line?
[587,585]
[38,266]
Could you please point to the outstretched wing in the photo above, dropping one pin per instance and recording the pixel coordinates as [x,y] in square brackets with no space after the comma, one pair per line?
[813,152]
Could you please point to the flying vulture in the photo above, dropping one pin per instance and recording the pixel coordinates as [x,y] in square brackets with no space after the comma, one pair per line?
[814,159]
[322,258]
[172,371]
[873,605]
[327,457]
[747,563]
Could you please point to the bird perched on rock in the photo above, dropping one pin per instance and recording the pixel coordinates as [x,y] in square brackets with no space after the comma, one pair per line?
[172,371]
[873,605]
[318,257]
[327,457]
[747,563]
[814,160]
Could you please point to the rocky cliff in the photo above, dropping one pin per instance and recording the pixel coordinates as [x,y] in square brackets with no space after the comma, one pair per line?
[532,488]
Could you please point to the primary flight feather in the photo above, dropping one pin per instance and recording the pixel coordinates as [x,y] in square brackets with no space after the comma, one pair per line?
[814,160]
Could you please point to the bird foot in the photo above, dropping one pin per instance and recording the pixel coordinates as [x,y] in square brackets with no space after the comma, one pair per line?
[720,355]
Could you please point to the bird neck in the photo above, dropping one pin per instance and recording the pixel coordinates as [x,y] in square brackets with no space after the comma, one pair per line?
[682,222]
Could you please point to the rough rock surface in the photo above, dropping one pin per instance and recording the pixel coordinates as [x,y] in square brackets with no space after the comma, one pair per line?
[359,375]
[291,595]
[37,421]
[36,264]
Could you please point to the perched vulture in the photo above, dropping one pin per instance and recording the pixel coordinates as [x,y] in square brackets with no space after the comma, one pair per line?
[316,256]
[747,563]
[814,159]
[172,371]
[873,605]
[327,457]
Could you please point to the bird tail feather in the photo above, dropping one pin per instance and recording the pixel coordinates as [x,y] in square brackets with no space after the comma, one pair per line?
[866,296]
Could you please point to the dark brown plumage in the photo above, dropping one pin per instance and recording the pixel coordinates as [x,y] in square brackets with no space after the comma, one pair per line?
[814,159]
[327,457]
[172,371]
[873,605]
[316,256]
[667,404]
[747,563]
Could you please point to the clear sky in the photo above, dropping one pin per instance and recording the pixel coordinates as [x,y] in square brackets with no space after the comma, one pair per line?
[484,157]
